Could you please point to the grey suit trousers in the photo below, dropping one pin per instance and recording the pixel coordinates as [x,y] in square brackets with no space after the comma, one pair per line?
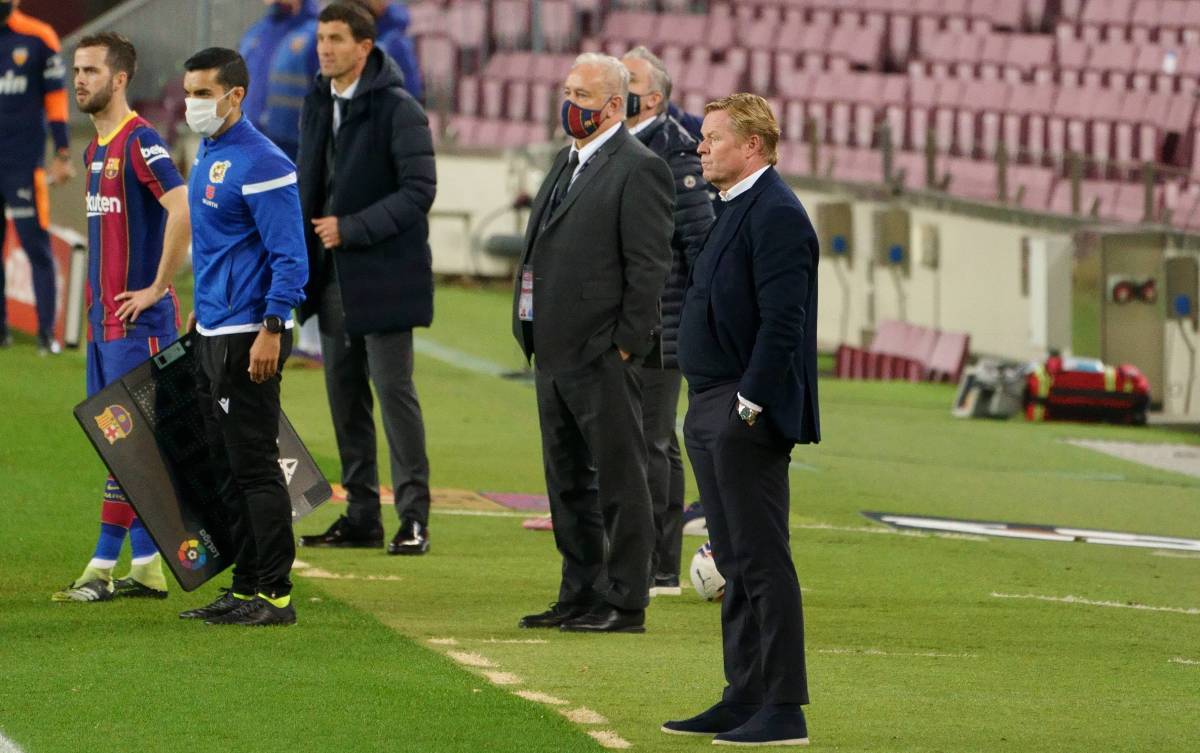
[664,465]
[595,462]
[352,364]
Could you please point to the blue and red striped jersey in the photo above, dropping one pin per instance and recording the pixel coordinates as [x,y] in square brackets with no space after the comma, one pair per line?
[127,172]
[31,92]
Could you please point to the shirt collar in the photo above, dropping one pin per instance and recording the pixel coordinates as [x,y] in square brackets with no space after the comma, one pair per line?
[642,126]
[349,92]
[588,151]
[743,186]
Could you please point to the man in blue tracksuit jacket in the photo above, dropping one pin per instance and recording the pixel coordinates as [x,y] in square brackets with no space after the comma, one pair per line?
[391,26]
[259,45]
[250,264]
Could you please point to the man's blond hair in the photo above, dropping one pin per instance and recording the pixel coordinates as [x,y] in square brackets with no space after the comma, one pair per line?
[751,115]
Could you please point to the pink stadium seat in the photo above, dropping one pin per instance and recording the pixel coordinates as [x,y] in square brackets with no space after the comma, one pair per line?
[437,63]
[682,29]
[993,55]
[425,18]
[1189,28]
[923,100]
[970,179]
[626,29]
[826,89]
[1129,205]
[1098,197]
[1030,187]
[1025,54]
[720,27]
[1144,23]
[558,24]
[1072,60]
[1110,65]
[1105,112]
[468,95]
[1025,123]
[900,39]
[978,125]
[952,96]
[466,22]
[510,23]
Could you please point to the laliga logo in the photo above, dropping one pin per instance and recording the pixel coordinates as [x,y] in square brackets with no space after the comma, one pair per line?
[192,554]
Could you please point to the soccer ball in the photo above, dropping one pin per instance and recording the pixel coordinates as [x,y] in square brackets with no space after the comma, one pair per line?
[705,579]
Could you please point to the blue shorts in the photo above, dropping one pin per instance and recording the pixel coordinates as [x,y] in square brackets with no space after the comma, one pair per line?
[109,361]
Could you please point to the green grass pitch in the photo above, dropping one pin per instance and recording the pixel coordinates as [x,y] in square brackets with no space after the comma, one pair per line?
[909,647]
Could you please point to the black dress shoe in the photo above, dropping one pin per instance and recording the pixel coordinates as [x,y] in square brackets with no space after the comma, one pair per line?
[772,725]
[343,534]
[226,602]
[257,613]
[607,619]
[722,717]
[557,614]
[412,538]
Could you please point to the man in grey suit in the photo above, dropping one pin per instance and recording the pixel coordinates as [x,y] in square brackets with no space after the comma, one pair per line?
[585,310]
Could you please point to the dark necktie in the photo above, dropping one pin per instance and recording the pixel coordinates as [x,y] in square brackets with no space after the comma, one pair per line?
[564,183]
[343,106]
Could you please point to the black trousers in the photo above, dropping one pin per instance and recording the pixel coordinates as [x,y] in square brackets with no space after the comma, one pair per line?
[242,422]
[595,462]
[742,472]
[664,465]
[352,364]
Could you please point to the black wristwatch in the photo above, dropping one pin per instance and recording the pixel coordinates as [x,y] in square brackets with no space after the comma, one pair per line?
[273,324]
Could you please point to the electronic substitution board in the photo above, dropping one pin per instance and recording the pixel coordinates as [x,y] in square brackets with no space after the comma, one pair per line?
[148,429]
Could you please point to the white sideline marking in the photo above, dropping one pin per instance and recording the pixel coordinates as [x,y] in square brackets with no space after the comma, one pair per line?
[303,568]
[1177,555]
[482,513]
[469,659]
[583,715]
[610,739]
[300,565]
[8,746]
[1093,603]
[1181,660]
[520,641]
[502,678]
[879,652]
[886,531]
[443,641]
[539,697]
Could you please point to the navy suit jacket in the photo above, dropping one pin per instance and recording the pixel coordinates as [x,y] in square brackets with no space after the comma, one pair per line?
[762,303]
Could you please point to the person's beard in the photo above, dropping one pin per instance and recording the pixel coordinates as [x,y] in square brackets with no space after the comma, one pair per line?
[98,101]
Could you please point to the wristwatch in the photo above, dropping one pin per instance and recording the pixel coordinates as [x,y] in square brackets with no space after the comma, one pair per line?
[273,324]
[747,414]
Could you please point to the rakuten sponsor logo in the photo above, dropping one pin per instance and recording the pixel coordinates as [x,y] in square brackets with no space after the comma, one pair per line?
[98,205]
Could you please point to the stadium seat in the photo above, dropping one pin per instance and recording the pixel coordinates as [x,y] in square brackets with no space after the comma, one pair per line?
[1025,55]
[510,23]
[1025,122]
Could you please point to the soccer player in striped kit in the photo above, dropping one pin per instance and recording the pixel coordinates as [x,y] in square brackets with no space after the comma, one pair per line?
[139,229]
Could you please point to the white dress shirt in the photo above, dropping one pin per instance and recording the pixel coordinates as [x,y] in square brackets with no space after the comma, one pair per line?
[642,126]
[590,150]
[347,93]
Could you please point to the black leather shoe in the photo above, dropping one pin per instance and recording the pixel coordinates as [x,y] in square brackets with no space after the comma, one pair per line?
[225,603]
[724,717]
[412,538]
[607,619]
[257,613]
[557,614]
[343,534]
[770,726]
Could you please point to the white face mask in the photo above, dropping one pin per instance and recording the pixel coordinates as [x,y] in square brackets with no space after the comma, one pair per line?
[202,115]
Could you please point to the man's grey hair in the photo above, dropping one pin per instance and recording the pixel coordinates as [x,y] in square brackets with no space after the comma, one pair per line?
[616,75]
[660,80]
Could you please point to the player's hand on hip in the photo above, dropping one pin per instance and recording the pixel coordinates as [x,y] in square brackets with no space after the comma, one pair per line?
[134,302]
[326,229]
[60,171]
[264,357]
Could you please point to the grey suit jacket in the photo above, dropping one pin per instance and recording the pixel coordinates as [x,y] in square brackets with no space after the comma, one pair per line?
[601,262]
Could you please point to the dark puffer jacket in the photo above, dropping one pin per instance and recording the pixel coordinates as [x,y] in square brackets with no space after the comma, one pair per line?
[693,216]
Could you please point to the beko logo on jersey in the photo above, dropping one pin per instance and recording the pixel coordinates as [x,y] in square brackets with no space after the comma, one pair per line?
[154,153]
[98,205]
[11,83]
